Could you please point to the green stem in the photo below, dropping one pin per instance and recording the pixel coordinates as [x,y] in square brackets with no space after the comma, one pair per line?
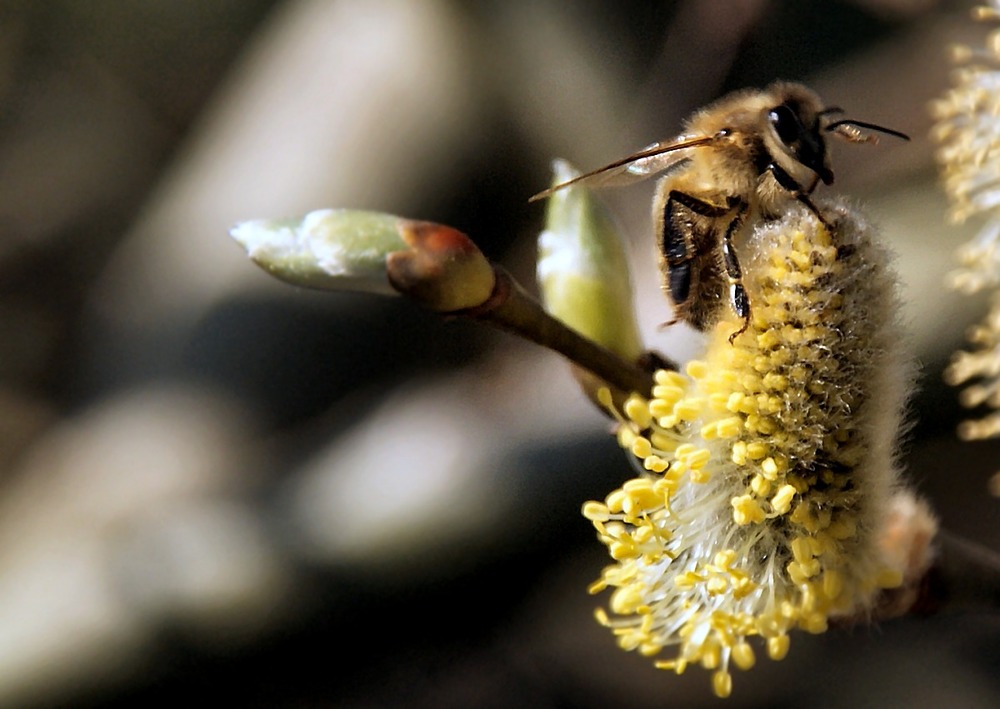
[512,309]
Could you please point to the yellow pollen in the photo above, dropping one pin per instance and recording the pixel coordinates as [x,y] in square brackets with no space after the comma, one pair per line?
[776,382]
[717,585]
[889,578]
[688,409]
[618,550]
[757,450]
[802,549]
[710,431]
[685,449]
[711,657]
[615,501]
[696,369]
[654,463]
[743,588]
[743,655]
[595,511]
[814,623]
[625,599]
[641,495]
[643,535]
[729,427]
[722,684]
[734,401]
[760,485]
[833,584]
[637,410]
[699,458]
[717,401]
[700,475]
[777,647]
[649,649]
[669,377]
[782,500]
[678,665]
[668,421]
[661,407]
[724,559]
[663,442]
[746,510]
[641,447]
[768,340]
[739,455]
[688,580]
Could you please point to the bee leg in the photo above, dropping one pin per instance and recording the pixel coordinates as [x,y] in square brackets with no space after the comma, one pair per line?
[741,304]
[680,250]
[678,247]
[679,282]
[789,183]
[738,298]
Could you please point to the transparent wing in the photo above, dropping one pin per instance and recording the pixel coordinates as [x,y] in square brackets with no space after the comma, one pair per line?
[651,160]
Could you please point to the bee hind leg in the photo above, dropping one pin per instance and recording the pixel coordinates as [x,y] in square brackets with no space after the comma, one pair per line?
[679,251]
[683,242]
[741,304]
[738,298]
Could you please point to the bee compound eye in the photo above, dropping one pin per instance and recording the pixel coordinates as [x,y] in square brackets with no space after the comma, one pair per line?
[785,123]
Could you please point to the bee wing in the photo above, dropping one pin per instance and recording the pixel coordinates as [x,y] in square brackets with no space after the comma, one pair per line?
[649,161]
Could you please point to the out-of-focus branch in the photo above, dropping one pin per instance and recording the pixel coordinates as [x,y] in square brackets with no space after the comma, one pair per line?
[964,576]
[942,572]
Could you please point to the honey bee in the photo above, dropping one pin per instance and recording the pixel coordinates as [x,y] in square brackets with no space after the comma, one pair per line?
[744,158]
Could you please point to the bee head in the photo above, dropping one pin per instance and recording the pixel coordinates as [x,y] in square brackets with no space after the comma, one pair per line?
[794,127]
[794,133]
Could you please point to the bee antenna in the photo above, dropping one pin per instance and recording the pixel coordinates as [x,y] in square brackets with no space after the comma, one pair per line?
[869,126]
[831,109]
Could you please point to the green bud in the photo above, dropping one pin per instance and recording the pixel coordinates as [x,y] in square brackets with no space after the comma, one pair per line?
[582,269]
[331,249]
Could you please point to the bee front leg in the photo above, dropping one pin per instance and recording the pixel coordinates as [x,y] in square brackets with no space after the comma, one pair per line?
[789,183]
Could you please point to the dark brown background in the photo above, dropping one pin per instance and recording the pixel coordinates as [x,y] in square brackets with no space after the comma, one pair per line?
[215,486]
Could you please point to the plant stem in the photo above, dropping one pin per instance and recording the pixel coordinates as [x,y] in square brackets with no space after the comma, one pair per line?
[513,309]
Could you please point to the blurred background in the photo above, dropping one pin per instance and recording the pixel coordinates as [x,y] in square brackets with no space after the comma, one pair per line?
[215,485]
